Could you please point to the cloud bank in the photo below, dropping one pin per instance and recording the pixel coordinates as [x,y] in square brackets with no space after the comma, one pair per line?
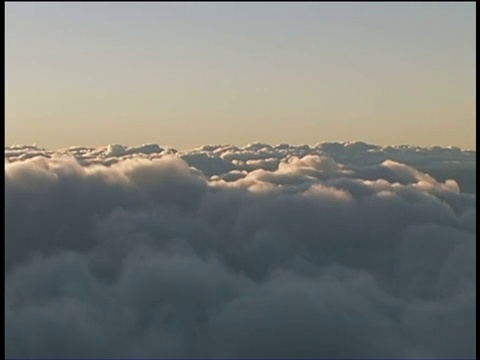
[333,250]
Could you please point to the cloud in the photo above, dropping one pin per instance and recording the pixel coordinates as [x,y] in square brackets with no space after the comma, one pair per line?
[333,250]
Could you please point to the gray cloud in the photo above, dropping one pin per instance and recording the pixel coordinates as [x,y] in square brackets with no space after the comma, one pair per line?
[333,250]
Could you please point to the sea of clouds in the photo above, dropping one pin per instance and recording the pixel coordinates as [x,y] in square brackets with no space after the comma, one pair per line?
[332,250]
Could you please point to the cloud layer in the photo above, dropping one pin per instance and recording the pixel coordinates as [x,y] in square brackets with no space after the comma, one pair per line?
[333,250]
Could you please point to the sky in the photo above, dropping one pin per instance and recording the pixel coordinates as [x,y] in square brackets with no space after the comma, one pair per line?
[186,74]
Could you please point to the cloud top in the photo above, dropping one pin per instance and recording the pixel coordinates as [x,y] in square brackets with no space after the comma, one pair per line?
[332,250]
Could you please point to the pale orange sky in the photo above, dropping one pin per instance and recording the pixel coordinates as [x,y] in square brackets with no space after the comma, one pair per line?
[185,74]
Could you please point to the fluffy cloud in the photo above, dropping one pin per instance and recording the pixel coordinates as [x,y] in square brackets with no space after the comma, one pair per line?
[335,250]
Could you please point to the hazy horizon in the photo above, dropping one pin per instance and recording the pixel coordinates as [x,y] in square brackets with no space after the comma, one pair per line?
[186,74]
[240,145]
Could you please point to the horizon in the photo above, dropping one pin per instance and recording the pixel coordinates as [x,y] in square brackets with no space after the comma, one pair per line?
[240,146]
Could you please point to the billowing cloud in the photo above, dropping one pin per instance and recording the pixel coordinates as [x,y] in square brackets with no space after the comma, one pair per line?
[333,250]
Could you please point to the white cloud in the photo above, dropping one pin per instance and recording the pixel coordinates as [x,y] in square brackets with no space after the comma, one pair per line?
[337,250]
